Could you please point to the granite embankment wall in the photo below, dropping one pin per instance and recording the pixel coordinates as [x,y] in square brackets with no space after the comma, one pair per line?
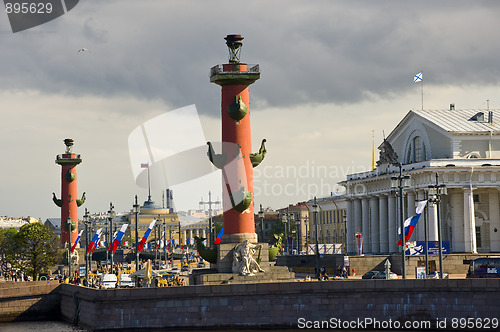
[277,304]
[280,304]
[22,301]
[456,264]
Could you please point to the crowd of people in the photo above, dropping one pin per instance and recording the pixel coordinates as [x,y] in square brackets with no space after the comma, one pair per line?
[16,276]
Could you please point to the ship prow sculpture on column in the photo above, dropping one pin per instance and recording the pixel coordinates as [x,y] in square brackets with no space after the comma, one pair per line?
[239,251]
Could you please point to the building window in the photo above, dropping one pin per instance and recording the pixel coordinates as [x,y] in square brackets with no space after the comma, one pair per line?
[417,148]
[416,151]
[475,198]
[478,237]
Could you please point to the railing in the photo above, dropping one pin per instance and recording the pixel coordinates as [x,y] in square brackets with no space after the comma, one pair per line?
[217,69]
[62,156]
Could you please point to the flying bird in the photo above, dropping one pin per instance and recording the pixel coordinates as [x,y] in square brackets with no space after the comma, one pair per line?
[83,50]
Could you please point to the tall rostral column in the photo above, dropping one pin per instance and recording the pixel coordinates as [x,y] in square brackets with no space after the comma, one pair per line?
[237,160]
[69,201]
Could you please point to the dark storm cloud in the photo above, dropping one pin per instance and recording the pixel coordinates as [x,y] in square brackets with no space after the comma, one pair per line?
[309,52]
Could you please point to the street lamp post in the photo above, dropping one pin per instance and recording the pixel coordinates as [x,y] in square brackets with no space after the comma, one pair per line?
[68,224]
[106,240]
[426,230]
[164,242]
[136,208]
[307,235]
[210,232]
[400,182]
[299,237]
[315,211]
[170,236]
[285,220]
[435,193]
[261,216]
[344,220]
[156,240]
[290,221]
[180,239]
[86,221]
[111,215]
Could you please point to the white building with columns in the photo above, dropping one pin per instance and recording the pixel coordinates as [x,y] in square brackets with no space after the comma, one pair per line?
[463,148]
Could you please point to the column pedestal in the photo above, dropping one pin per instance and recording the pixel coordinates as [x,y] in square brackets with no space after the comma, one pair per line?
[225,256]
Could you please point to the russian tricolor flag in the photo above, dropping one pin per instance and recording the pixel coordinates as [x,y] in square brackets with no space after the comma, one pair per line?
[141,244]
[411,223]
[161,243]
[95,239]
[119,237]
[219,236]
[76,241]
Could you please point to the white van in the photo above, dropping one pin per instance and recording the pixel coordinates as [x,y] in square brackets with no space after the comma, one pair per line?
[126,281]
[108,280]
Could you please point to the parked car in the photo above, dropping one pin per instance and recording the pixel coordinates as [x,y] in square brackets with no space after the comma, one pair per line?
[369,275]
[126,281]
[435,275]
[107,280]
[383,275]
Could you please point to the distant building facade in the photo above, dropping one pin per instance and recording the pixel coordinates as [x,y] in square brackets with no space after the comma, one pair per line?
[332,220]
[297,214]
[17,223]
[263,226]
[463,148]
[181,229]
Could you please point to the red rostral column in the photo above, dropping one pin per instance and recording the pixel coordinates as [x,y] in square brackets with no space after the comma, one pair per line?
[69,201]
[237,158]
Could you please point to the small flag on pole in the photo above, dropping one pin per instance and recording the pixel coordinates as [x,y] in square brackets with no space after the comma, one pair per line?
[95,241]
[111,244]
[411,222]
[76,241]
[417,78]
[219,236]
[144,165]
[119,237]
[141,244]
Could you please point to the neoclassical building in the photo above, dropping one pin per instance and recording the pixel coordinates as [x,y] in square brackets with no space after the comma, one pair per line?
[463,148]
[181,229]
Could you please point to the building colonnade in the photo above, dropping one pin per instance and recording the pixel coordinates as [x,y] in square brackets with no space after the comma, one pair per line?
[469,214]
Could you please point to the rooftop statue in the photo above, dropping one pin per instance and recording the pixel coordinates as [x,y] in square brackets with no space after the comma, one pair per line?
[387,154]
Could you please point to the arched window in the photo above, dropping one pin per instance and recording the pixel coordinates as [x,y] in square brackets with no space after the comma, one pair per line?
[473,155]
[416,151]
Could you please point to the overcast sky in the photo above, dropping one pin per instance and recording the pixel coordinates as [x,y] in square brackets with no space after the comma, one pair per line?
[331,72]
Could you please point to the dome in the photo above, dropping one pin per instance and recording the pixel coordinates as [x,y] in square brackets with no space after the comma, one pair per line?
[150,205]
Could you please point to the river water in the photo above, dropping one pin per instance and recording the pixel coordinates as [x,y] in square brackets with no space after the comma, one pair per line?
[39,327]
[66,327]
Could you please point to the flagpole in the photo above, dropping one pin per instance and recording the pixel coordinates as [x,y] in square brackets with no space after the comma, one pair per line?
[149,185]
[374,165]
[422,87]
[419,78]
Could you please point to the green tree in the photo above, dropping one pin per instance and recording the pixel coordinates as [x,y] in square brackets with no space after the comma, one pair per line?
[217,227]
[7,244]
[277,228]
[38,248]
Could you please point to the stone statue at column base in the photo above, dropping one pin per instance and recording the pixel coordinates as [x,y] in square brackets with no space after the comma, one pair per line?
[243,262]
